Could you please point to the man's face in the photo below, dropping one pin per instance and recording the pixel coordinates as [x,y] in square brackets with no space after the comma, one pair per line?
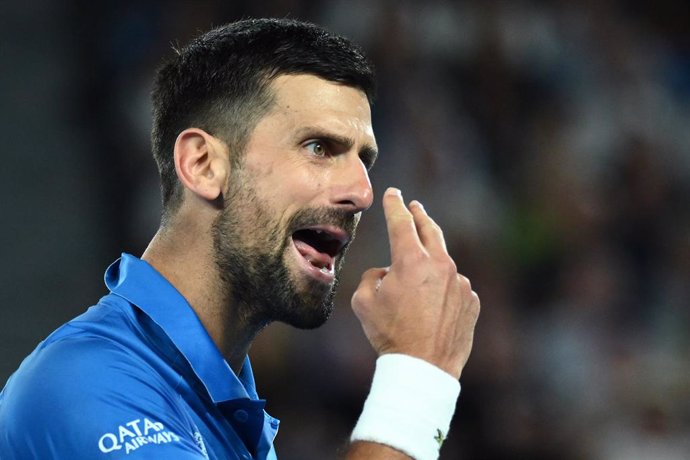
[294,202]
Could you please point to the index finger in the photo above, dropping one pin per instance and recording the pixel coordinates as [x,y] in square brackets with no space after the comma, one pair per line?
[402,232]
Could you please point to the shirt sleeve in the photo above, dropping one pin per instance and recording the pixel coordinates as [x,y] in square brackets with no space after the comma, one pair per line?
[88,398]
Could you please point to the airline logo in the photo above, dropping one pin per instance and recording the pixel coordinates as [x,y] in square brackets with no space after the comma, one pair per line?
[135,434]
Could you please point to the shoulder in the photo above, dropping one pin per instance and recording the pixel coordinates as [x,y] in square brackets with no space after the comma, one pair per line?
[77,367]
[81,395]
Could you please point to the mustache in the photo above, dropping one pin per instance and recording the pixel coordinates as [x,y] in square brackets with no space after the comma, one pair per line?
[310,217]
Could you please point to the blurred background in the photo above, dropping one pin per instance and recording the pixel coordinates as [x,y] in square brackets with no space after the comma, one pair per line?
[551,140]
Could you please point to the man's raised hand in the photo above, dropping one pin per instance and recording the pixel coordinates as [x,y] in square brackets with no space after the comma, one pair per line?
[419,305]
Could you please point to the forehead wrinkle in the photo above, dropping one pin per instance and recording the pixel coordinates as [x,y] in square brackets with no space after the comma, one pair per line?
[311,89]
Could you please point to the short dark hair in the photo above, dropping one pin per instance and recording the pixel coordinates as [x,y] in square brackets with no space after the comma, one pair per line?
[220,82]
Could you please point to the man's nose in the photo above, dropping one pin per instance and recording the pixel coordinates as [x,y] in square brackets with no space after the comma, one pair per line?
[352,187]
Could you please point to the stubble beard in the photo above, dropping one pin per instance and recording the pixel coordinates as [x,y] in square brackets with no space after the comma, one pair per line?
[250,255]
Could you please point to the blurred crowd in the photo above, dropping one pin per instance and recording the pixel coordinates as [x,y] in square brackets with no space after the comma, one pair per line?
[550,140]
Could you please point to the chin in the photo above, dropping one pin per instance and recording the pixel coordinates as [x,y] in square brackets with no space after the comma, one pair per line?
[310,321]
[309,308]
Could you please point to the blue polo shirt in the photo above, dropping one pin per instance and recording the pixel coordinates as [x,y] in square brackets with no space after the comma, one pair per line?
[136,376]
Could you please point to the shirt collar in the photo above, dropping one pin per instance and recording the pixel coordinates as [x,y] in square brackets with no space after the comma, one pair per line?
[140,284]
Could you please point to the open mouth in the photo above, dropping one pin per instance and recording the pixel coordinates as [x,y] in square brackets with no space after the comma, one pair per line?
[320,246]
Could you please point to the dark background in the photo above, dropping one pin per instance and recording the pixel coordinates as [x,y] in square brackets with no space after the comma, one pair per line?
[551,140]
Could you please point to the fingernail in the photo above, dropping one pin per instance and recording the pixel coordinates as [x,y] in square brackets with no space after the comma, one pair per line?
[394,191]
[417,203]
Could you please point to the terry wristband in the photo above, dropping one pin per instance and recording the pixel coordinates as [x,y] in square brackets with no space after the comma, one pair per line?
[409,407]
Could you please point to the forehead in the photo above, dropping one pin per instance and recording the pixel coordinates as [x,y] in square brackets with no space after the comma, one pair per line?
[310,100]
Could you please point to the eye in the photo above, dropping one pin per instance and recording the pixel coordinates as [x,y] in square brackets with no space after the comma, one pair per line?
[318,148]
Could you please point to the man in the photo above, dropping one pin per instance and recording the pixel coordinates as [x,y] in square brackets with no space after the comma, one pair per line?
[263,139]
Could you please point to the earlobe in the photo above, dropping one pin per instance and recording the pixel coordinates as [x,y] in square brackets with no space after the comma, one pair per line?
[201,163]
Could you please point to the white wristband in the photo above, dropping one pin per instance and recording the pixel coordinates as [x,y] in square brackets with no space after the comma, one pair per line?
[409,407]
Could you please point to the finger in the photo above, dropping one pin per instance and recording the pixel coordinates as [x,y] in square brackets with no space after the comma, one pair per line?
[430,234]
[368,286]
[372,277]
[402,232]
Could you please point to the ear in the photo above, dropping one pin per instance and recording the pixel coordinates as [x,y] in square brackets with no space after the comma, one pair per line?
[202,163]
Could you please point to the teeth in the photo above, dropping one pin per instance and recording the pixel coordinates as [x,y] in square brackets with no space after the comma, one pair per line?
[325,269]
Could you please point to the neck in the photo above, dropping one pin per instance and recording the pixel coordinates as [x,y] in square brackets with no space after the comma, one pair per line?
[186,260]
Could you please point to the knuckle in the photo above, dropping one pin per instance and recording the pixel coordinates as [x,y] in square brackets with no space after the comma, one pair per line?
[446,265]
[368,273]
[416,257]
[359,300]
[465,282]
[451,265]
[401,218]
[474,307]
[361,291]
[436,228]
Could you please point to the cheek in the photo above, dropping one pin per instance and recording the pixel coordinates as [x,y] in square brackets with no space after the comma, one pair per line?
[301,184]
[288,186]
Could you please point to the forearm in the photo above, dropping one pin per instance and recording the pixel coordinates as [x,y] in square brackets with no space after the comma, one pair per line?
[363,450]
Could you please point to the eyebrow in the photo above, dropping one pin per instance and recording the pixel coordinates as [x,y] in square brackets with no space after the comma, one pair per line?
[367,151]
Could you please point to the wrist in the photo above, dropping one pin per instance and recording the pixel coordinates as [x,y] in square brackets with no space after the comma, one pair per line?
[409,407]
[449,366]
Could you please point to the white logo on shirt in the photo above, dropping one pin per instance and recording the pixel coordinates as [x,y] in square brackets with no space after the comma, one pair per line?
[200,443]
[134,434]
